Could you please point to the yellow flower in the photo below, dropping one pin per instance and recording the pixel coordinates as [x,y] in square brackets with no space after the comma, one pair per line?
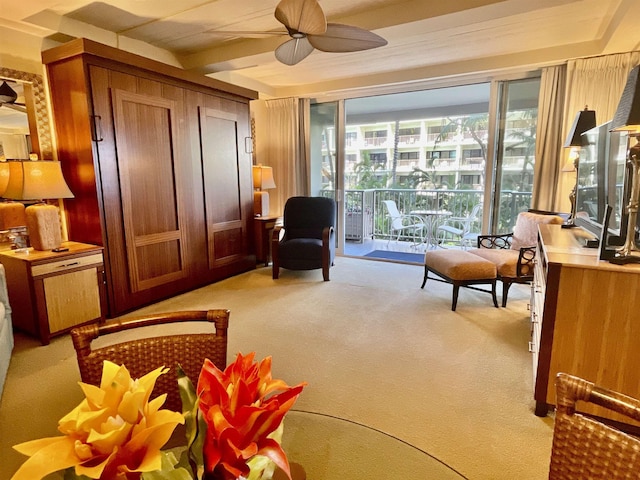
[116,430]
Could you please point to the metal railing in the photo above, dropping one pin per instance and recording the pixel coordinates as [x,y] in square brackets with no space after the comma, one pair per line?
[366,215]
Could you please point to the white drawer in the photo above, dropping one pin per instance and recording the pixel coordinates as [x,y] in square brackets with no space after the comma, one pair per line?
[66,264]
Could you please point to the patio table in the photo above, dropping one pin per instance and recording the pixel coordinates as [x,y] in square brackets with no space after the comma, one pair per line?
[430,219]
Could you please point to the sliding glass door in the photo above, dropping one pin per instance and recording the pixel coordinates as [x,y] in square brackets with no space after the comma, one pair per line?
[516,122]
[432,155]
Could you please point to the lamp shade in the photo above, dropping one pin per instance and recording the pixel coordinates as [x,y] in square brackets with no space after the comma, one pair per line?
[36,180]
[627,116]
[585,120]
[4,177]
[263,177]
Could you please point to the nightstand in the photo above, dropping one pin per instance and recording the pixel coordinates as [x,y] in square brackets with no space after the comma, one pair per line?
[50,293]
[263,226]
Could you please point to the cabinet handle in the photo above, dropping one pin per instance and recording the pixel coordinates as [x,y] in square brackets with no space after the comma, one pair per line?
[97,128]
[65,265]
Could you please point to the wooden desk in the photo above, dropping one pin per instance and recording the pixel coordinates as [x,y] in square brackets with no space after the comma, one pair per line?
[585,318]
[263,226]
[50,292]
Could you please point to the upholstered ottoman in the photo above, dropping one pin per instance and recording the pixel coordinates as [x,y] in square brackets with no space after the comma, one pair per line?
[461,269]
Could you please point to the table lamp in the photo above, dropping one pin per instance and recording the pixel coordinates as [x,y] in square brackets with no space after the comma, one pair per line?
[627,118]
[262,180]
[585,120]
[39,180]
[11,213]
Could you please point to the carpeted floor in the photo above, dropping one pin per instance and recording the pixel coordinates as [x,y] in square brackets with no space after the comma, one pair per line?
[373,347]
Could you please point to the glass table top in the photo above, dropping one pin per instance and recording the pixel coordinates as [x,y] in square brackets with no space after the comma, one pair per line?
[331,448]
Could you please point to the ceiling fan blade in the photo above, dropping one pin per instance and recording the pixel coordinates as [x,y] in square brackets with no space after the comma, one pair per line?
[305,16]
[294,51]
[346,38]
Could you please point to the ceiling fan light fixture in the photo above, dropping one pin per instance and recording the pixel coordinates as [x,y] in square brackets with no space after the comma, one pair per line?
[307,26]
[294,51]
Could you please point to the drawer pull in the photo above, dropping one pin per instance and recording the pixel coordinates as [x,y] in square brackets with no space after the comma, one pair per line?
[65,265]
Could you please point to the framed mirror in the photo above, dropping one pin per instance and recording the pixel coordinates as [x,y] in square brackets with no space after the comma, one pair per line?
[31,120]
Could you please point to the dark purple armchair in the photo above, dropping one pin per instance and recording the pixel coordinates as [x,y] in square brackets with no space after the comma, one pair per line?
[308,242]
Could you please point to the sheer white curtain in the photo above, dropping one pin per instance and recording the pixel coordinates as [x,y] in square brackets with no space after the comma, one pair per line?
[284,151]
[595,82]
[548,137]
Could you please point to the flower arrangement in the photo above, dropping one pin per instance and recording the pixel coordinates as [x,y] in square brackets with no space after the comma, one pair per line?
[233,421]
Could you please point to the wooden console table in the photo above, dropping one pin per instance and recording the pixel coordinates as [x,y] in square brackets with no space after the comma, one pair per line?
[585,316]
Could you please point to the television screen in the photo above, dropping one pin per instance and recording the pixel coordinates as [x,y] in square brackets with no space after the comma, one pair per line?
[617,158]
[591,189]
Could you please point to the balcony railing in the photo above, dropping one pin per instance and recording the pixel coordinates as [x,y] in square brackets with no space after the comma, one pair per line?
[368,218]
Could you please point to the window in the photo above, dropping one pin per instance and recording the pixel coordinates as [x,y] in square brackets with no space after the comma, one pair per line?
[409,155]
[441,154]
[470,180]
[472,153]
[375,134]
[379,158]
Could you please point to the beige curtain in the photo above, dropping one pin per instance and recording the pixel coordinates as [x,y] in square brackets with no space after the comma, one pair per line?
[549,141]
[282,151]
[595,82]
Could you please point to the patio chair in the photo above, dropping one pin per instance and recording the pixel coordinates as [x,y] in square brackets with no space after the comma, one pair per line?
[404,224]
[458,229]
[585,447]
[146,353]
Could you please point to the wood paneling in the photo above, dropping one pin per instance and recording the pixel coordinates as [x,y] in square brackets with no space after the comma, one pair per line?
[148,166]
[221,156]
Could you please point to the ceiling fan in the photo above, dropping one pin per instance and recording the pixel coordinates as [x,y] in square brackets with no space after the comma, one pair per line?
[308,28]
[8,97]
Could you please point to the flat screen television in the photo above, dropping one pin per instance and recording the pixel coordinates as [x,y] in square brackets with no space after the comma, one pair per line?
[602,180]
[617,189]
[592,181]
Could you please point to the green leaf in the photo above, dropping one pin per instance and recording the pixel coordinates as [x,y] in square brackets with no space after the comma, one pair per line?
[195,426]
[169,471]
[70,474]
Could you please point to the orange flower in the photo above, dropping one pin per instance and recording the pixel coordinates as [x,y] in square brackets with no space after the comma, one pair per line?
[114,433]
[243,406]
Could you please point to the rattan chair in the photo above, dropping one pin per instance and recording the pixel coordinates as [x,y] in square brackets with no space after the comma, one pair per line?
[144,354]
[584,447]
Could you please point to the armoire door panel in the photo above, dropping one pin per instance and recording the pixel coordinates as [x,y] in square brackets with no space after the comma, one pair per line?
[221,182]
[147,173]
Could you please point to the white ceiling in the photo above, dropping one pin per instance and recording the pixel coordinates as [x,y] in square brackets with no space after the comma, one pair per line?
[427,39]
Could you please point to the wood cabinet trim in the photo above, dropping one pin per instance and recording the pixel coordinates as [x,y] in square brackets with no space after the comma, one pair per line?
[83,46]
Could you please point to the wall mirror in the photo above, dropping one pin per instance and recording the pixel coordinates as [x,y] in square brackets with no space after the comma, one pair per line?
[24,125]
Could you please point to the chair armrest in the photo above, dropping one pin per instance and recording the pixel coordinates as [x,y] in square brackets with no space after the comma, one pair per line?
[276,233]
[414,219]
[327,234]
[495,241]
[526,261]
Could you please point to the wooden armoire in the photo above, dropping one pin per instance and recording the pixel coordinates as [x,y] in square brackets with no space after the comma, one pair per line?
[158,162]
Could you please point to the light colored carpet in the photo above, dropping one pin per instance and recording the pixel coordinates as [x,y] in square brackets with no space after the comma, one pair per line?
[374,348]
